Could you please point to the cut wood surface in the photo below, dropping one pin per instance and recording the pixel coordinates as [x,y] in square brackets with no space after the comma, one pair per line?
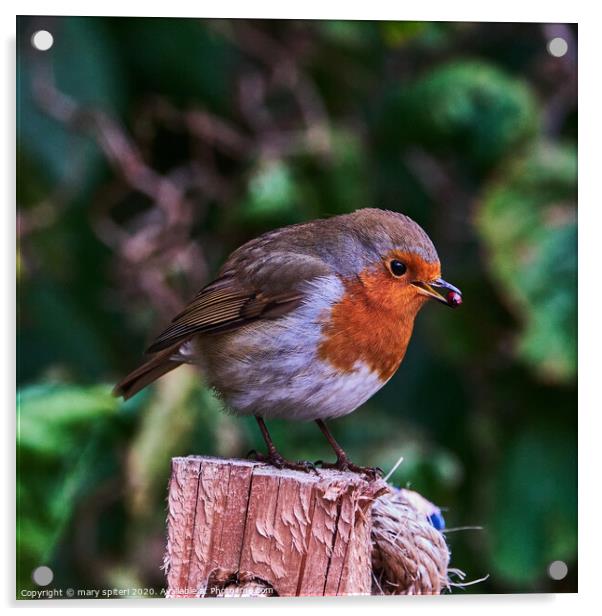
[239,527]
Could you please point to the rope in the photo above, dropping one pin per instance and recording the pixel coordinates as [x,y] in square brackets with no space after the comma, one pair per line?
[409,555]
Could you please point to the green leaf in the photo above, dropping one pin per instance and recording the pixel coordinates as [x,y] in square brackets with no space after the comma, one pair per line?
[58,453]
[527,221]
[469,108]
[350,34]
[271,188]
[534,520]
[423,33]
[48,415]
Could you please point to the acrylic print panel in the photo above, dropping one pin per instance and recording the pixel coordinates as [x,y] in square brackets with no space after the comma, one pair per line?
[148,151]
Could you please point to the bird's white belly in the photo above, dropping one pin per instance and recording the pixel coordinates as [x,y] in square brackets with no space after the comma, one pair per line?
[273,369]
[319,392]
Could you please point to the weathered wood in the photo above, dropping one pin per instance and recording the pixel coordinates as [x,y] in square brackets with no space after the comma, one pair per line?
[239,527]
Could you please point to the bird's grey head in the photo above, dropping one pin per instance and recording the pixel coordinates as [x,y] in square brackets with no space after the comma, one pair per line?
[365,236]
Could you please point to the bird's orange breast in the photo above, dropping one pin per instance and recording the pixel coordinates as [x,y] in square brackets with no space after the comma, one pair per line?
[371,324]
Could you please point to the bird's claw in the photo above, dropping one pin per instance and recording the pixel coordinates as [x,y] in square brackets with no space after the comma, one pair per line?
[343,464]
[278,461]
[308,466]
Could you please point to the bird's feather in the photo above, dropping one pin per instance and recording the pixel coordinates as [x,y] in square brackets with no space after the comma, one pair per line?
[158,365]
[239,296]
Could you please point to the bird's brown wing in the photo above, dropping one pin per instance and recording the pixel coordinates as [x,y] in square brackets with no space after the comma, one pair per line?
[244,292]
[221,306]
[252,285]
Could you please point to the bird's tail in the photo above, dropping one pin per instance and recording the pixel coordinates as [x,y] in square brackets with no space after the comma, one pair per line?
[158,365]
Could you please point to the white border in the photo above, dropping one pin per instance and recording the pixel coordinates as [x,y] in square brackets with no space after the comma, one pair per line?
[590,341]
[461,10]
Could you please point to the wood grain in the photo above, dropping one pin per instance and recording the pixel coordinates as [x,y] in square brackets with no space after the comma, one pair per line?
[238,527]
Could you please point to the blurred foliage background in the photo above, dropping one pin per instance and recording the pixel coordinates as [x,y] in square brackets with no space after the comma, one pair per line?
[148,149]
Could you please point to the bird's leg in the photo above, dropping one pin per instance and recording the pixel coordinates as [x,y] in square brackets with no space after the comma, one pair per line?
[272,451]
[274,457]
[343,463]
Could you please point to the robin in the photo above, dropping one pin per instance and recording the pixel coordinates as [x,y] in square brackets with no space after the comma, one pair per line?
[306,322]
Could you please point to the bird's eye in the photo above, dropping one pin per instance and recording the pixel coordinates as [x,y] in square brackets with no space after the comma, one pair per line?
[398,268]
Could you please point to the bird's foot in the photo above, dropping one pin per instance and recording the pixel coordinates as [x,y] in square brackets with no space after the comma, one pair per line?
[344,464]
[278,461]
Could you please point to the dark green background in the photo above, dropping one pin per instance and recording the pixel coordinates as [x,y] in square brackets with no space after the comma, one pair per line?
[468,128]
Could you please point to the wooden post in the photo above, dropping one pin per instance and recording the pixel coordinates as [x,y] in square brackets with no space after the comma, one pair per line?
[238,527]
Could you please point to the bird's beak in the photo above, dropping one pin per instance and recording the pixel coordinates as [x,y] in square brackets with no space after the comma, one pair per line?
[441,291]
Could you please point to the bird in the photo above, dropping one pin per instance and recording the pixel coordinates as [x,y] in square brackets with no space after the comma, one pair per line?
[305,322]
